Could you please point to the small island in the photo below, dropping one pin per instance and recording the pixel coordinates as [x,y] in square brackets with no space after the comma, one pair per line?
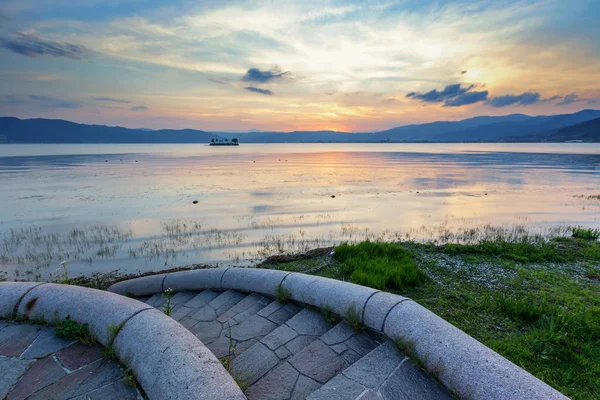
[224,142]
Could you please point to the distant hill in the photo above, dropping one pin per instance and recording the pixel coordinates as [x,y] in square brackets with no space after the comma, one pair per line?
[14,130]
[582,125]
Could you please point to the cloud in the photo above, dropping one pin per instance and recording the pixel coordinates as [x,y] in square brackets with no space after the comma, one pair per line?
[139,108]
[110,100]
[259,90]
[569,99]
[33,46]
[467,98]
[452,96]
[52,102]
[220,82]
[435,96]
[256,75]
[523,99]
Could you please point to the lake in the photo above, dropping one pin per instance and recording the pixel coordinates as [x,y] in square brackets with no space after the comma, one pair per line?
[131,207]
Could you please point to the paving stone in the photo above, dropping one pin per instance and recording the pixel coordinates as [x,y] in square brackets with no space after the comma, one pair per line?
[15,338]
[241,347]
[156,300]
[116,391]
[304,387]
[188,322]
[182,298]
[351,356]
[3,324]
[225,301]
[270,309]
[254,327]
[42,373]
[77,355]
[202,299]
[254,363]
[12,370]
[206,313]
[410,383]
[309,322]
[361,343]
[339,348]
[279,337]
[105,374]
[276,385]
[370,395]
[252,301]
[280,316]
[62,388]
[295,345]
[241,317]
[283,353]
[220,347]
[374,368]
[207,332]
[338,334]
[46,343]
[318,361]
[181,312]
[339,388]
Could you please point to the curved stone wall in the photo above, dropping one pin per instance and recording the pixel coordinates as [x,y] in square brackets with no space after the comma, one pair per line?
[168,361]
[464,365]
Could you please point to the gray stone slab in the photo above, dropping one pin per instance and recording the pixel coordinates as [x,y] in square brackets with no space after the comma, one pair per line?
[206,313]
[46,343]
[410,383]
[339,388]
[276,385]
[378,307]
[465,366]
[294,346]
[170,363]
[374,368]
[309,322]
[15,338]
[241,347]
[118,390]
[338,334]
[251,302]
[207,331]
[279,337]
[361,343]
[181,312]
[318,361]
[304,387]
[270,309]
[254,363]
[339,348]
[263,281]
[156,300]
[350,356]
[220,347]
[10,293]
[99,309]
[195,280]
[12,370]
[280,316]
[202,299]
[42,373]
[283,353]
[225,301]
[182,298]
[254,327]
[144,286]
[77,355]
[370,395]
[105,374]
[327,293]
[188,322]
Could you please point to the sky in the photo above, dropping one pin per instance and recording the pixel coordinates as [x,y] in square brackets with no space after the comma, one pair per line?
[345,65]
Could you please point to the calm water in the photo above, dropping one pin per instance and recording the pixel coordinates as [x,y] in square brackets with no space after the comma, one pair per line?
[103,207]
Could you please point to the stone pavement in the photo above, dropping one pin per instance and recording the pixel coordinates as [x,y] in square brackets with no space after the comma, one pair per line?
[286,351]
[37,365]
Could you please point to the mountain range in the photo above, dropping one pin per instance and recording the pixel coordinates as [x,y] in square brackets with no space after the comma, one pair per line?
[581,126]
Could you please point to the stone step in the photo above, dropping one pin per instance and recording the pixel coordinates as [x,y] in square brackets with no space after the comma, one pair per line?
[314,365]
[286,340]
[385,374]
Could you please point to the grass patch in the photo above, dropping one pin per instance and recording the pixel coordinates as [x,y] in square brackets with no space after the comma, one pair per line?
[384,266]
[283,295]
[69,329]
[586,233]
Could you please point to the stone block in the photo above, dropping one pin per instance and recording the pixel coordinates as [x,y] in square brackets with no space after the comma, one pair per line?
[144,286]
[15,338]
[46,343]
[255,362]
[11,293]
[318,362]
[309,322]
[257,280]
[373,369]
[277,384]
[195,280]
[338,388]
[170,363]
[202,299]
[410,383]
[42,373]
[378,307]
[12,370]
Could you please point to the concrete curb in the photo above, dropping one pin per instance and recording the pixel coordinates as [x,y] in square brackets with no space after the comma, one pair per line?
[463,364]
[168,361]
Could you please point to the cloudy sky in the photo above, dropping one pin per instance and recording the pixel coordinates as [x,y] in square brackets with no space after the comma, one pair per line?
[296,65]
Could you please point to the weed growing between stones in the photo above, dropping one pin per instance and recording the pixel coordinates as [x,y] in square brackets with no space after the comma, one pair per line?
[226,361]
[283,295]
[330,315]
[354,319]
[69,329]
[167,295]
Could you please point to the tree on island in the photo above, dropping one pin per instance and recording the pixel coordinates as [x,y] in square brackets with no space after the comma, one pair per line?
[234,140]
[212,140]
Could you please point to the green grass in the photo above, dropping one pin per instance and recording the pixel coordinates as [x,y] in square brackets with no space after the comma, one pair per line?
[586,233]
[384,266]
[69,329]
[542,312]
